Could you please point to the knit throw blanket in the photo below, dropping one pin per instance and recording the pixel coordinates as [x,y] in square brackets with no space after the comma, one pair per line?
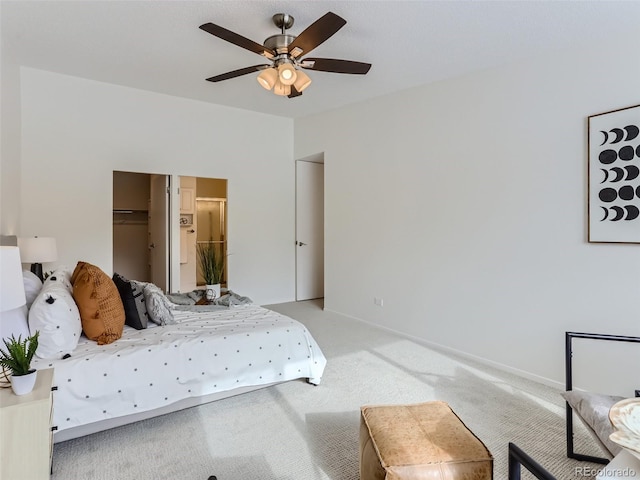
[187,301]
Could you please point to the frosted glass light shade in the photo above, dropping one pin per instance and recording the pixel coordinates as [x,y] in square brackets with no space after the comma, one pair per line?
[287,74]
[267,78]
[302,82]
[37,249]
[281,89]
[11,283]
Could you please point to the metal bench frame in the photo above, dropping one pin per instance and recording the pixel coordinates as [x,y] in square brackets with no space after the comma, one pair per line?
[518,458]
[569,336]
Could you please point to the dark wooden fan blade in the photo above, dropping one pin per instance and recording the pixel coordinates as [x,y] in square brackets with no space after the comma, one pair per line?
[237,39]
[316,33]
[237,73]
[336,66]
[294,93]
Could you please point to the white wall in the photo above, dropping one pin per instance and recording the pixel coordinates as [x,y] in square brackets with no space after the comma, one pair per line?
[76,132]
[9,145]
[463,205]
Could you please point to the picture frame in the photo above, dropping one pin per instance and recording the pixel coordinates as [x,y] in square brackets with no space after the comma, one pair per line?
[614,176]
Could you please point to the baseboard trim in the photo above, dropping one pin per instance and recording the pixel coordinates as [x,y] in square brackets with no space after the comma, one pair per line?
[460,353]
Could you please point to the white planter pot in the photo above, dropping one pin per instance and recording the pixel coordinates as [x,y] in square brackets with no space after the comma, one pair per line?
[213,292]
[23,384]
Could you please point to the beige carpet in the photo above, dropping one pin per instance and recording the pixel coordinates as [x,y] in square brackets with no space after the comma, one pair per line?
[296,431]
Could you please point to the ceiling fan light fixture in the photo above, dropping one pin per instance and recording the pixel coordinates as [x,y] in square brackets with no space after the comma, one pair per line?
[287,74]
[268,78]
[302,82]
[281,89]
[283,75]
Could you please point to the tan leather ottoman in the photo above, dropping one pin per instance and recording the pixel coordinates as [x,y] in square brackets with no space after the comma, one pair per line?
[420,442]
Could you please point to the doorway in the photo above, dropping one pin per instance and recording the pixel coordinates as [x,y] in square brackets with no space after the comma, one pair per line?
[140,227]
[131,195]
[310,228]
[155,226]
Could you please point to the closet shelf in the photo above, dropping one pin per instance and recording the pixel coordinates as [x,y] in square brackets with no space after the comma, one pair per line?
[130,217]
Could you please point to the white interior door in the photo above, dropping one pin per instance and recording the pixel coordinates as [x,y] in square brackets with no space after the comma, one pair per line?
[309,230]
[158,231]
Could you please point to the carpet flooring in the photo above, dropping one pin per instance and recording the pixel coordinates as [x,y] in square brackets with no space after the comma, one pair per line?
[296,431]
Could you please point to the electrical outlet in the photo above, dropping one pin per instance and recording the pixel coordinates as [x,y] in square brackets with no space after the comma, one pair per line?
[378,301]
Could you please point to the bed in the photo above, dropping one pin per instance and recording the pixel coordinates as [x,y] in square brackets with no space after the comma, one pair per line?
[204,356]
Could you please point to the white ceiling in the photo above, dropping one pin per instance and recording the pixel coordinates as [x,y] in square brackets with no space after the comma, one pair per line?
[157,45]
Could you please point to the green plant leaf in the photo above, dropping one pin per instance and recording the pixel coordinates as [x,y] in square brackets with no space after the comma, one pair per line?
[18,353]
[212,261]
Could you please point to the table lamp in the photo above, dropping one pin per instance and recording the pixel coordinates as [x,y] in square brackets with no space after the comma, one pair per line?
[36,251]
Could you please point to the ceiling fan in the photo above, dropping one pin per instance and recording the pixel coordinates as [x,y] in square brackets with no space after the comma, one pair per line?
[284,74]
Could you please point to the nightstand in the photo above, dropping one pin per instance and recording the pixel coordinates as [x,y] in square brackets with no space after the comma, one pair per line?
[26,438]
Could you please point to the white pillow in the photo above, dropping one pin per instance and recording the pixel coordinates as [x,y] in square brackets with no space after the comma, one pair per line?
[32,286]
[14,322]
[63,274]
[55,315]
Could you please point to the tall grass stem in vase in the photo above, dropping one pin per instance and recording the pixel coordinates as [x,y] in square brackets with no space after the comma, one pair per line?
[211,260]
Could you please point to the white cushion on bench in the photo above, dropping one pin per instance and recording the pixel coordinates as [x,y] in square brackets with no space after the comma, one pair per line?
[593,410]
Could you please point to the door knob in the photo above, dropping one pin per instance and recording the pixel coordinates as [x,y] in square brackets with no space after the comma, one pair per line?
[301,244]
[153,245]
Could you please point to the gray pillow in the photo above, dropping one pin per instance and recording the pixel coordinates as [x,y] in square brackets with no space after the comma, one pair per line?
[158,306]
[593,410]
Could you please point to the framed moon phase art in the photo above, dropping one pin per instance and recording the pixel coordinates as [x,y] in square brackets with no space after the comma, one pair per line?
[614,176]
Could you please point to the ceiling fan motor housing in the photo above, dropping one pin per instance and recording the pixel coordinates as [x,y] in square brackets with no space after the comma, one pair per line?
[279,43]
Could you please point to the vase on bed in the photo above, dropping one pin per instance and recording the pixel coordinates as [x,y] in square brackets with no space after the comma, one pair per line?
[213,292]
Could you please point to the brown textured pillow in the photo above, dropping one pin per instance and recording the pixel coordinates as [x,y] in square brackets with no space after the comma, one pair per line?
[99,303]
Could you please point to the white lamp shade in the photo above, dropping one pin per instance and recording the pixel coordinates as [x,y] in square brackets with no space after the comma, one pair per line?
[267,78]
[287,74]
[302,81]
[37,249]
[11,283]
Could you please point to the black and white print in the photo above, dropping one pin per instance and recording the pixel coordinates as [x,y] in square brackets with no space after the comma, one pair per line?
[614,176]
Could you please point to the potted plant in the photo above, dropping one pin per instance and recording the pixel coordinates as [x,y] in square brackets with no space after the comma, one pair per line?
[211,262]
[17,358]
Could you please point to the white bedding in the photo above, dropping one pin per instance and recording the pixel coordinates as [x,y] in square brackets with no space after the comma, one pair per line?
[203,353]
